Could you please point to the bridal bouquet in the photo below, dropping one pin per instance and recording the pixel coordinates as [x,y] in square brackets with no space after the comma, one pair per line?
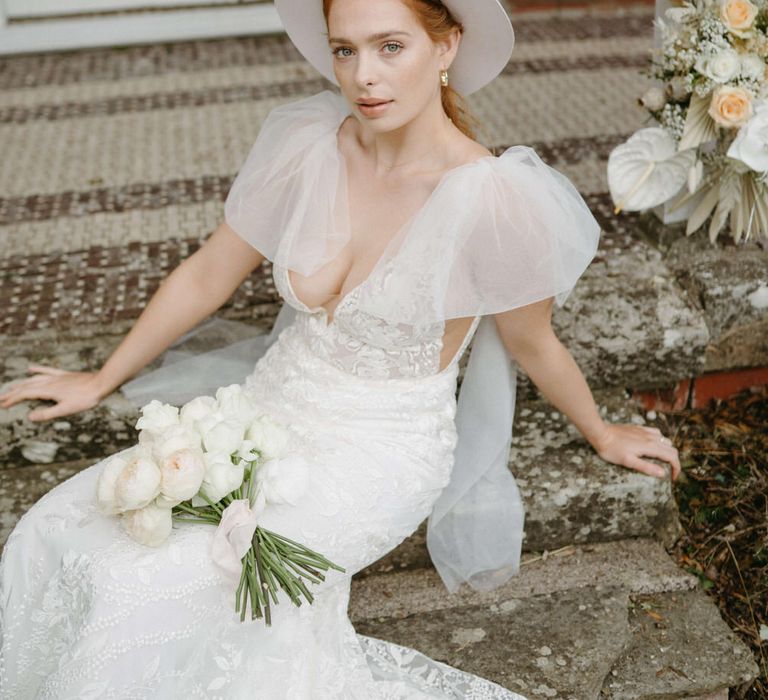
[709,156]
[218,461]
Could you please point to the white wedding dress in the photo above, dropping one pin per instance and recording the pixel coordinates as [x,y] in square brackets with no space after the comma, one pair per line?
[87,613]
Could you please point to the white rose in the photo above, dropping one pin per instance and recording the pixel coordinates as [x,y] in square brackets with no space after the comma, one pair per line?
[283,480]
[138,483]
[654,99]
[105,485]
[751,143]
[721,66]
[150,525]
[236,404]
[221,435]
[157,416]
[181,474]
[221,477]
[170,440]
[196,409]
[269,437]
[752,66]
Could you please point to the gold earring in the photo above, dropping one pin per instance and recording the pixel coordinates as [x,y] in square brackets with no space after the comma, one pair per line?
[444,78]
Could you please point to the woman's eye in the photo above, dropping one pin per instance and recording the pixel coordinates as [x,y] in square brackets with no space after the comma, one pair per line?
[395,44]
[341,48]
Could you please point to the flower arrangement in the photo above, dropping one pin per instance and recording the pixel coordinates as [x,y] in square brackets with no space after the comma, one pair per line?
[709,154]
[218,461]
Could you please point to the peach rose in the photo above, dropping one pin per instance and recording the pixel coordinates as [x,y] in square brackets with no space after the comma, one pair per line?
[738,15]
[730,106]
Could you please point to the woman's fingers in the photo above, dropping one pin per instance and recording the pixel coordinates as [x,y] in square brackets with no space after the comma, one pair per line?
[666,452]
[646,467]
[45,369]
[41,414]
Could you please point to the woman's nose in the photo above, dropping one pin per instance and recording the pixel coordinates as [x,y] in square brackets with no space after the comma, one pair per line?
[365,70]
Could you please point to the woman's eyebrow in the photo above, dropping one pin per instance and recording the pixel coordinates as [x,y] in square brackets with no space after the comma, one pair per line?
[372,37]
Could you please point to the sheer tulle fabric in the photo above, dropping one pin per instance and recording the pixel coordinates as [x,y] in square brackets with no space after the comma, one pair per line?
[495,234]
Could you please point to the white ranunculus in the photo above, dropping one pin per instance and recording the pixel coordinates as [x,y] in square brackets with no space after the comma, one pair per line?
[221,477]
[196,409]
[170,440]
[222,436]
[752,66]
[149,525]
[269,437]
[236,404]
[105,485]
[181,474]
[138,483]
[283,480]
[156,417]
[721,66]
[751,143]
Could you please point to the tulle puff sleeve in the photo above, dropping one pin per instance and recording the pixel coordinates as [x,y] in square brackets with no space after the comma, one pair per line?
[287,188]
[497,233]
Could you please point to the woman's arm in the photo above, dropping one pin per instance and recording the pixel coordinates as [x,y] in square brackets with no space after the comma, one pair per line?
[193,291]
[528,336]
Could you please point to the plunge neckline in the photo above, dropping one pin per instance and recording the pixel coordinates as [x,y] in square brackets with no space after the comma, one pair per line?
[345,112]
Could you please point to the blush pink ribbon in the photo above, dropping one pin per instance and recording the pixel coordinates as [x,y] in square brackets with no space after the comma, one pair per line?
[232,538]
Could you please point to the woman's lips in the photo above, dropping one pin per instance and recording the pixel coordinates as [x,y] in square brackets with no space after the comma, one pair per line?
[374,110]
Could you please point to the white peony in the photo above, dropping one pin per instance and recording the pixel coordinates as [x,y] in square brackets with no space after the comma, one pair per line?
[236,404]
[196,409]
[751,143]
[721,66]
[105,485]
[163,501]
[248,451]
[752,66]
[268,436]
[138,482]
[170,440]
[283,480]
[221,477]
[181,474]
[156,417]
[221,435]
[149,525]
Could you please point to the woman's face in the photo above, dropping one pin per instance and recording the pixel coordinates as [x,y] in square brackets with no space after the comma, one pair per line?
[381,51]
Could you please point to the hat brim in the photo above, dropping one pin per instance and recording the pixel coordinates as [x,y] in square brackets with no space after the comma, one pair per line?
[486,43]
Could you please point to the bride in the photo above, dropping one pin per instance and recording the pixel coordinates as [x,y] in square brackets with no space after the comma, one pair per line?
[395,239]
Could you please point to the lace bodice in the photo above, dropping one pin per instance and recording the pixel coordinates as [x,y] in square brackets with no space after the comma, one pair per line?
[365,345]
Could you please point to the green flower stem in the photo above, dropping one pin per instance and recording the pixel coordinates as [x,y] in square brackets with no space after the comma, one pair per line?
[256,558]
[213,505]
[239,592]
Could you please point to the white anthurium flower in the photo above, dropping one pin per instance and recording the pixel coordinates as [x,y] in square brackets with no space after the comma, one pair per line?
[105,485]
[236,404]
[156,417]
[149,525]
[177,437]
[181,474]
[283,480]
[197,409]
[752,66]
[751,143]
[221,477]
[722,66]
[269,437]
[647,170]
[138,483]
[224,435]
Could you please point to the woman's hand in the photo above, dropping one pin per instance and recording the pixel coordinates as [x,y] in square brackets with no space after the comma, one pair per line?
[624,443]
[72,392]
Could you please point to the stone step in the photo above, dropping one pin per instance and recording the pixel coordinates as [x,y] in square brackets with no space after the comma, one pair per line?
[612,620]
[570,494]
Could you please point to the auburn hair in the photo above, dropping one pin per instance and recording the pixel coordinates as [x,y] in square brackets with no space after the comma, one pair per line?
[438,23]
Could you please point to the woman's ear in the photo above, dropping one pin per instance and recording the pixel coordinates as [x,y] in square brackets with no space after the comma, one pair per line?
[449,47]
